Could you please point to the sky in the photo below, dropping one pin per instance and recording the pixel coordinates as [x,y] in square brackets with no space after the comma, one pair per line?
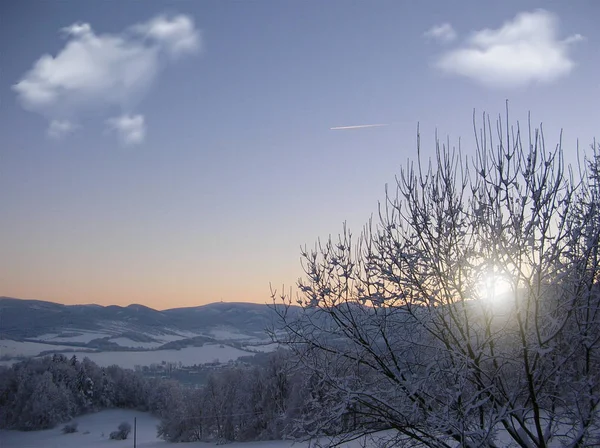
[180,153]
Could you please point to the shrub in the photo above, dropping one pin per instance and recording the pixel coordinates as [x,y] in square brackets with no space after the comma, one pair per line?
[70,428]
[122,432]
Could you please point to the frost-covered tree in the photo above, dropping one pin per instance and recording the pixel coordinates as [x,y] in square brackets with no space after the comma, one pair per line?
[469,312]
[40,393]
[51,404]
[181,412]
[236,404]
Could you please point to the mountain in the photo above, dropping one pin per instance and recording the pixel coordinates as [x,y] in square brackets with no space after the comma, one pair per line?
[22,319]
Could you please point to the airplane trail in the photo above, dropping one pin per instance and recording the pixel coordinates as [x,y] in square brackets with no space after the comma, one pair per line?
[358,126]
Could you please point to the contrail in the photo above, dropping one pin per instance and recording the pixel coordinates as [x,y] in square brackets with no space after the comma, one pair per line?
[358,126]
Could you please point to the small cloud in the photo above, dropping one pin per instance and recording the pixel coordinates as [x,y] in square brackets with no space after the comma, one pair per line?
[59,128]
[358,126]
[443,33]
[524,50]
[98,72]
[178,34]
[78,29]
[130,128]
[573,39]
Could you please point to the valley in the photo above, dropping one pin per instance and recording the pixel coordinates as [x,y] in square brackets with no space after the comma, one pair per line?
[134,337]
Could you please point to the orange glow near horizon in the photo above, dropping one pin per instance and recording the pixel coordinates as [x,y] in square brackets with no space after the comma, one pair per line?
[156,300]
[188,289]
[157,271]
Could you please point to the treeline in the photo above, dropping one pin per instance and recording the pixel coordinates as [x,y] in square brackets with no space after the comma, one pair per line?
[261,402]
[239,404]
[43,392]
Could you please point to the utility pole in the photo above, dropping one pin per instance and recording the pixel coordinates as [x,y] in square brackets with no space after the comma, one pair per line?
[134,432]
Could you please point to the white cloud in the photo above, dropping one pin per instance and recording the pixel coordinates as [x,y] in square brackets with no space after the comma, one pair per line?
[524,50]
[59,128]
[78,29]
[177,35]
[130,128]
[356,126]
[443,33]
[98,72]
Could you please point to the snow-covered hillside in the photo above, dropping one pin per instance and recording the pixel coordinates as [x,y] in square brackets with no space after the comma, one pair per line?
[18,349]
[187,356]
[34,319]
[133,335]
[80,336]
[94,429]
[262,348]
[76,336]
[93,432]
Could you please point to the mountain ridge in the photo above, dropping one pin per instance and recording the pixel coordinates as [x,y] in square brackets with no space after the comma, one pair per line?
[22,318]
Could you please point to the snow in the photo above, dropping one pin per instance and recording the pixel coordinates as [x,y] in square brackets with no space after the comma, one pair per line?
[169,337]
[99,425]
[94,429]
[224,334]
[83,338]
[188,356]
[178,334]
[10,348]
[126,342]
[264,348]
[86,336]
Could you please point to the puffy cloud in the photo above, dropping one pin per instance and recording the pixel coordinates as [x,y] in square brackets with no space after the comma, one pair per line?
[443,33]
[178,35]
[524,50]
[59,128]
[130,128]
[97,72]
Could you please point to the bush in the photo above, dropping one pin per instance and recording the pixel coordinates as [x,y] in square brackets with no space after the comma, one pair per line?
[70,428]
[122,432]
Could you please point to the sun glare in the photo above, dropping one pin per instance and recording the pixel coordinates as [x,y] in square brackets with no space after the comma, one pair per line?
[493,286]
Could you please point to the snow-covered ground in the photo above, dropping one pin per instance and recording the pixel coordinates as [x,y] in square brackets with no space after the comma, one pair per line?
[160,339]
[83,337]
[94,429]
[93,432]
[10,348]
[177,335]
[264,348]
[227,334]
[188,356]
[11,351]
[126,342]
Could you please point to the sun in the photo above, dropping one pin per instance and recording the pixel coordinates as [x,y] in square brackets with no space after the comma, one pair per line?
[493,286]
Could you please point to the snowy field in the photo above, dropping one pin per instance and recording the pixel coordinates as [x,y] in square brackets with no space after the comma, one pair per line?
[226,334]
[86,336]
[10,348]
[83,337]
[188,356]
[263,348]
[93,431]
[178,334]
[126,342]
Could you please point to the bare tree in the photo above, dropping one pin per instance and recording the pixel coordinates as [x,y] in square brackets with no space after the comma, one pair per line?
[468,314]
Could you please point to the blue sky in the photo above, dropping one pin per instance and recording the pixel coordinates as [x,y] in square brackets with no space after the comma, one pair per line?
[179,153]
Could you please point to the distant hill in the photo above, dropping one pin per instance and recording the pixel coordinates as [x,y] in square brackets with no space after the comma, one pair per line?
[21,319]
